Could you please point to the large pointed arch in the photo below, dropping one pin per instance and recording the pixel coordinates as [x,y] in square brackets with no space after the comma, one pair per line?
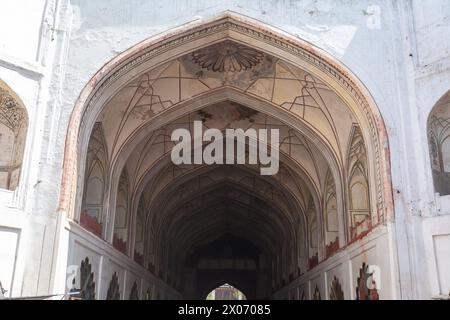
[241,29]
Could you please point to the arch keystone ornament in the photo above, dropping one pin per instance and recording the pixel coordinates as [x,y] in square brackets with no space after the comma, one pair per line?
[227,56]
[242,36]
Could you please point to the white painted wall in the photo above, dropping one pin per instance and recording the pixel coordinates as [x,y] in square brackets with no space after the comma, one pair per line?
[20,29]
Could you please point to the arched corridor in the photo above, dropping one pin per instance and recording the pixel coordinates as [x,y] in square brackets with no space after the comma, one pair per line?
[194,226]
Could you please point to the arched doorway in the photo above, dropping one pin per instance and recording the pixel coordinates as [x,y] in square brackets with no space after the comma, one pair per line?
[226,292]
[196,225]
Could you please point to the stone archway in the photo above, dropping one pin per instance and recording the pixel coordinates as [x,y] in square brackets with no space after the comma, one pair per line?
[335,150]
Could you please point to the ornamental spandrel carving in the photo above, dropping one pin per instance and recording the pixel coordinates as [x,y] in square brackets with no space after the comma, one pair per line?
[227,56]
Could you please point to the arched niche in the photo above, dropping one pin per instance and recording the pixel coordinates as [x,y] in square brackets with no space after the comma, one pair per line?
[439,144]
[139,233]
[121,218]
[13,131]
[360,219]
[331,216]
[92,212]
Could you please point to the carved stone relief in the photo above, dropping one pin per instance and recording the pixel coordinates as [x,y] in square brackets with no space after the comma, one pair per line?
[113,289]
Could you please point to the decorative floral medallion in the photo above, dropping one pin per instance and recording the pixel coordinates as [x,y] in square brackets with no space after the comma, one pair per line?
[227,56]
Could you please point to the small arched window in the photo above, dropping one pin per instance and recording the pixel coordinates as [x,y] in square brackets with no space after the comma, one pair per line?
[13,130]
[439,144]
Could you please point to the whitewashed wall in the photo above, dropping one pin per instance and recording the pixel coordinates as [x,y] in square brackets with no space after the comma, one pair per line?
[24,53]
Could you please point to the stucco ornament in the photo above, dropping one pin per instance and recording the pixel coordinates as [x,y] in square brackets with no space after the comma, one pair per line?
[227,56]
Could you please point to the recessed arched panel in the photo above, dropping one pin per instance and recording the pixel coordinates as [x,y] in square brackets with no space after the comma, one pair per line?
[121,217]
[439,144]
[13,131]
[139,237]
[360,212]
[92,214]
[94,199]
[445,147]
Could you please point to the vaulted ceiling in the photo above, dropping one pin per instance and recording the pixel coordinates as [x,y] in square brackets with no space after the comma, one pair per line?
[169,211]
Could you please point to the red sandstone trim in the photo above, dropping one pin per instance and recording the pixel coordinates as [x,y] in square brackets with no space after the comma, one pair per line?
[91,224]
